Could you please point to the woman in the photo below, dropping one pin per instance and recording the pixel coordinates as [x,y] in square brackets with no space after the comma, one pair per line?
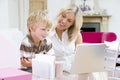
[66,35]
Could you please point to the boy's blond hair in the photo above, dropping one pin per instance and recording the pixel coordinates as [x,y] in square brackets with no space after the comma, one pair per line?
[38,17]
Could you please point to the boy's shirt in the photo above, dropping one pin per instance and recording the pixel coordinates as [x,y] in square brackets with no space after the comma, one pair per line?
[28,49]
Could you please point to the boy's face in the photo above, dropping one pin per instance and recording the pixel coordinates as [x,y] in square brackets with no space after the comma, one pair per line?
[40,32]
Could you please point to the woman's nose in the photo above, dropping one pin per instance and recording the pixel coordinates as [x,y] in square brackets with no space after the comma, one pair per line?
[64,20]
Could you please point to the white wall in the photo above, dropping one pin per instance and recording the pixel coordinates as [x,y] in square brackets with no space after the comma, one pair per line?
[9,14]
[4,14]
[112,7]
[53,8]
[13,15]
[23,15]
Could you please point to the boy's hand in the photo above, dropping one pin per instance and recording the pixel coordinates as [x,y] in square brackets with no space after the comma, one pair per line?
[26,62]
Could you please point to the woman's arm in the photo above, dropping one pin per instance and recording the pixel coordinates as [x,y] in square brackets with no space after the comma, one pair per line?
[79,39]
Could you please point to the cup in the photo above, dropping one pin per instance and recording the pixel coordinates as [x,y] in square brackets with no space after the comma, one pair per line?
[59,69]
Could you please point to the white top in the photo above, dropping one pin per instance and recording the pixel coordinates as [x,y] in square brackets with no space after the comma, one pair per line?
[64,50]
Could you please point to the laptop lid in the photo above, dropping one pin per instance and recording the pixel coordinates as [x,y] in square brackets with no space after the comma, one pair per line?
[89,58]
[9,54]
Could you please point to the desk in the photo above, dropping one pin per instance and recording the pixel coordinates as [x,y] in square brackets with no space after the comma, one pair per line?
[66,76]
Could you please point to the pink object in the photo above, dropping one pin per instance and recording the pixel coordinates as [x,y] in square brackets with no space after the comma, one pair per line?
[14,74]
[98,37]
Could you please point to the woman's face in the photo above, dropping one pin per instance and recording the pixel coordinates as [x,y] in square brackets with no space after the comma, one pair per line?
[65,20]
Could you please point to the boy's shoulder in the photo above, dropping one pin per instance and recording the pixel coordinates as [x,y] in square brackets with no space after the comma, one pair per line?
[26,41]
[48,40]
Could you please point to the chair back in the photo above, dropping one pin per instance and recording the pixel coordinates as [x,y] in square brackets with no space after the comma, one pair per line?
[98,37]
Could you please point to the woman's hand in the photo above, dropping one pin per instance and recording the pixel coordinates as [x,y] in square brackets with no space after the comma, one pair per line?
[26,62]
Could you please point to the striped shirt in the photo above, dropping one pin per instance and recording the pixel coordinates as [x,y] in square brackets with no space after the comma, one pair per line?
[29,50]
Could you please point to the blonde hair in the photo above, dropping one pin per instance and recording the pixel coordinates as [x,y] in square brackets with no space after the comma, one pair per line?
[75,28]
[38,17]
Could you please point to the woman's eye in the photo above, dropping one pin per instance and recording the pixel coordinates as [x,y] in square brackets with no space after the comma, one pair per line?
[69,21]
[63,16]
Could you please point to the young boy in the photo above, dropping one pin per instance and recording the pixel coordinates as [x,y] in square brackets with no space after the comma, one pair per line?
[35,42]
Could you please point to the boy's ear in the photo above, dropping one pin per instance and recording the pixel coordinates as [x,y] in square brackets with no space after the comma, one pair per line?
[31,28]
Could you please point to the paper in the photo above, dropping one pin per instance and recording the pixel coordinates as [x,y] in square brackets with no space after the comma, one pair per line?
[43,66]
[112,45]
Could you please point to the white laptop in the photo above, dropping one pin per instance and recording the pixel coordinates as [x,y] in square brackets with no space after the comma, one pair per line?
[89,58]
[9,54]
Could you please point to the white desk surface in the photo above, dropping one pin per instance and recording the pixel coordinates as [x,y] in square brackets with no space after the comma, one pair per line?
[66,76]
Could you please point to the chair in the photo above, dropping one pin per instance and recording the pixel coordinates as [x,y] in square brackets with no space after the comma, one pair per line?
[98,37]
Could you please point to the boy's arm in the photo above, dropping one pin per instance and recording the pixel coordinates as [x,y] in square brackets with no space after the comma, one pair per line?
[24,57]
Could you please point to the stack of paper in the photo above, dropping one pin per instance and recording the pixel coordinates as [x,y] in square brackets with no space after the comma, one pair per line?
[44,66]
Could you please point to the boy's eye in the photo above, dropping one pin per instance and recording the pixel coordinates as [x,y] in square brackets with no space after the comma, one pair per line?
[44,29]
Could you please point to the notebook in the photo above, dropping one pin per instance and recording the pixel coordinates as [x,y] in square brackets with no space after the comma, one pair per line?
[89,58]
